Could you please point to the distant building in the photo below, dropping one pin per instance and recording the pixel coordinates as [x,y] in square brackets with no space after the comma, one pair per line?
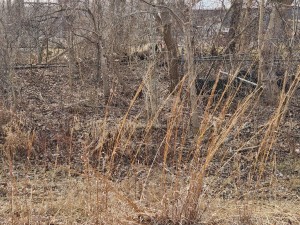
[212,5]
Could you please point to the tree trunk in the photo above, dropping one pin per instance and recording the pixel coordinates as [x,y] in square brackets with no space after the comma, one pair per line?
[98,61]
[172,55]
[71,54]
[102,68]
[70,46]
[151,92]
[236,8]
[8,5]
[171,44]
[189,55]
[20,9]
[260,41]
[267,57]
[117,8]
[105,77]
[245,36]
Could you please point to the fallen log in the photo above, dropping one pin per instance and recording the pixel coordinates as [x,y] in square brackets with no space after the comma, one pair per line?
[37,66]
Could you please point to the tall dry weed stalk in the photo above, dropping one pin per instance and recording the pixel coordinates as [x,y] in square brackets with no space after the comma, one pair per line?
[273,124]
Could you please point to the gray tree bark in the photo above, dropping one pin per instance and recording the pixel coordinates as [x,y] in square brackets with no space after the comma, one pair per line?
[171,43]
[267,56]
[234,24]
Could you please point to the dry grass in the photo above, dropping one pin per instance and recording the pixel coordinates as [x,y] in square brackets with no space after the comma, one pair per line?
[40,197]
[128,170]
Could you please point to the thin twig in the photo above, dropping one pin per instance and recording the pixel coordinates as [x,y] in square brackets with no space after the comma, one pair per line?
[179,20]
[241,79]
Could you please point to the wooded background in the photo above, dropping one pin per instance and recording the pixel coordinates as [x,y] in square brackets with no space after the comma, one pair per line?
[149,111]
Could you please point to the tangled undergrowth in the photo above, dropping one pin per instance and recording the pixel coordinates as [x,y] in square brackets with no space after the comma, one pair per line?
[69,159]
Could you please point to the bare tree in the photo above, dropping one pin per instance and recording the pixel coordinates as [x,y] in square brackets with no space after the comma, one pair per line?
[101,61]
[246,21]
[191,70]
[236,8]
[168,22]
[9,37]
[91,28]
[117,34]
[267,48]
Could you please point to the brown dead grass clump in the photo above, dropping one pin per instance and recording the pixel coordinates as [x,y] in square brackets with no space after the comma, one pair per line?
[60,197]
